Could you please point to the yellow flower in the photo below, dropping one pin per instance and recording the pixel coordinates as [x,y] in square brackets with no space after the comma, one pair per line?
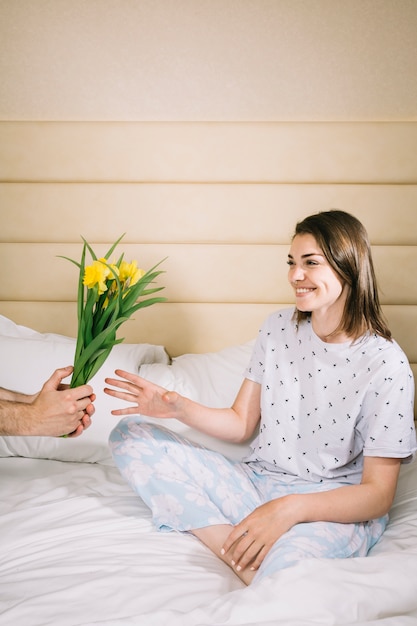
[96,274]
[112,267]
[129,273]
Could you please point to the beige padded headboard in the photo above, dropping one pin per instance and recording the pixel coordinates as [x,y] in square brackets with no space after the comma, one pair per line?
[219,200]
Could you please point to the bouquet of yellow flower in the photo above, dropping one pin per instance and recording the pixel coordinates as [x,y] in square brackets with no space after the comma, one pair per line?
[108,294]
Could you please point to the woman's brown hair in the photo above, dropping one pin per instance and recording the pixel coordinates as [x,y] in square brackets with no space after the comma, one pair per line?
[345,244]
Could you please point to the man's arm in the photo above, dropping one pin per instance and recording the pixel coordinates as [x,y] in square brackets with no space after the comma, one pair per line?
[56,410]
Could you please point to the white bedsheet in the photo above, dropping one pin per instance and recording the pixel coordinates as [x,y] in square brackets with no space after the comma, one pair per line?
[78,549]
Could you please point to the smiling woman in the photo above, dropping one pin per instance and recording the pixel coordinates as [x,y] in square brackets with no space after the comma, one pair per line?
[322,473]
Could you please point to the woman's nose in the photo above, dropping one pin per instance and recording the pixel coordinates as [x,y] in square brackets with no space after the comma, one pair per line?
[297,273]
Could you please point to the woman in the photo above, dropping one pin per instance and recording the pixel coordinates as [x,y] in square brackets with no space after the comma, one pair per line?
[332,395]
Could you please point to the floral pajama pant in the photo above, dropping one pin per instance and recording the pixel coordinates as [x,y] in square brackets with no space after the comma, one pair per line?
[187,486]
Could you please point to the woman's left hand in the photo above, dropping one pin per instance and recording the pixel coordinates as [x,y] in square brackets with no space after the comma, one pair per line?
[251,539]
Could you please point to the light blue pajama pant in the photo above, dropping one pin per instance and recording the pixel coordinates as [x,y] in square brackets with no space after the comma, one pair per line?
[187,486]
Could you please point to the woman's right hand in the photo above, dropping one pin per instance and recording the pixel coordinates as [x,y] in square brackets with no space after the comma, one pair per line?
[236,423]
[148,399]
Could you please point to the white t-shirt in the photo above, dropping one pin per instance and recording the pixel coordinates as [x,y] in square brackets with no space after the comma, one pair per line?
[324,405]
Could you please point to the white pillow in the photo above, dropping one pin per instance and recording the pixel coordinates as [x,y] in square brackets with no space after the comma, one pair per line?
[213,379]
[8,328]
[28,359]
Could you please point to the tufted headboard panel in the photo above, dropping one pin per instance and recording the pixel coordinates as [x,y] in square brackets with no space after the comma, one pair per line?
[218,200]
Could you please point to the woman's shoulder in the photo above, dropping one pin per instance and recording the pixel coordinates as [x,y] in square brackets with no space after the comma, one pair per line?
[281,325]
[387,350]
[282,316]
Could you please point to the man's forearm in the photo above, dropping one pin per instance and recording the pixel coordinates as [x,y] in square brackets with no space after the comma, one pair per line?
[14,396]
[14,417]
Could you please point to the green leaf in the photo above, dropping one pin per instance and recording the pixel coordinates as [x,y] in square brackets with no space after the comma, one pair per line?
[80,305]
[110,252]
[90,369]
[60,256]
[104,340]
[90,249]
[142,304]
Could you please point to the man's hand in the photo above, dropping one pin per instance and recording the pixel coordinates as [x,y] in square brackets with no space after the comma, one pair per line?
[58,410]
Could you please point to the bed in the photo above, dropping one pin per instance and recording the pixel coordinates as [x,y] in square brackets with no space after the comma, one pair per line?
[79,546]
[219,201]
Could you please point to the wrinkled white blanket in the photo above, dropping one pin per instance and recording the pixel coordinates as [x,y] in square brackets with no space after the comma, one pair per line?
[78,548]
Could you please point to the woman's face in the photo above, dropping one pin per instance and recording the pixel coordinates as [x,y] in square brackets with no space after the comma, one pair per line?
[316,285]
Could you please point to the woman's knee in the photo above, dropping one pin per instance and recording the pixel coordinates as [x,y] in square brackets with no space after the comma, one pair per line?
[135,429]
[120,430]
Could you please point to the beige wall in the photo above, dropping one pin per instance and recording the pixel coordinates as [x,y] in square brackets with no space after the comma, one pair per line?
[221,60]
[96,100]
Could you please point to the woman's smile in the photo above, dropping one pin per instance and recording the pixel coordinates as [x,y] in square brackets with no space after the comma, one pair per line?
[300,291]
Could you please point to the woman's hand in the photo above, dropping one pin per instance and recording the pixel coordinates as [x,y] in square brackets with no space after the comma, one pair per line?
[148,399]
[251,539]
